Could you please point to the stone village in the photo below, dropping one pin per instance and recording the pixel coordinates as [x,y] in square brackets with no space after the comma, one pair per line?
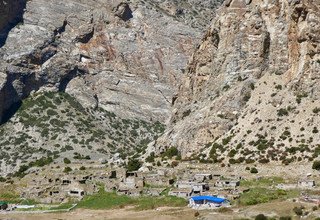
[61,187]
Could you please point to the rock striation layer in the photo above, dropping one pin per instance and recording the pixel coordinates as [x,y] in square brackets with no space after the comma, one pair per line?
[252,85]
[125,56]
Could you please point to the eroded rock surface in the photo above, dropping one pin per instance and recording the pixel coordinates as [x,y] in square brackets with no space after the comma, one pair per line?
[130,55]
[121,60]
[251,85]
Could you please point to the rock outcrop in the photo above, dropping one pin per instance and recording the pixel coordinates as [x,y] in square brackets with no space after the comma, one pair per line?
[252,85]
[129,56]
[121,60]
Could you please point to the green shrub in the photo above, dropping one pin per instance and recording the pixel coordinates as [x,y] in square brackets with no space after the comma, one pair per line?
[316,110]
[285,218]
[66,161]
[186,113]
[261,217]
[315,130]
[133,165]
[246,97]
[82,168]
[226,141]
[171,152]
[316,165]
[282,112]
[298,210]
[150,158]
[232,153]
[67,170]
[253,170]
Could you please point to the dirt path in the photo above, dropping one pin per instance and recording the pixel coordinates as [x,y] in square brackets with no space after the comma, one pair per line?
[118,214]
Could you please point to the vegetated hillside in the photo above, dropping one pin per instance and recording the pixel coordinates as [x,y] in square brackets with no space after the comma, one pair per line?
[56,126]
[252,88]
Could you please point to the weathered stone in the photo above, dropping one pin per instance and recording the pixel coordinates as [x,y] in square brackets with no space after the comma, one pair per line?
[246,53]
[74,38]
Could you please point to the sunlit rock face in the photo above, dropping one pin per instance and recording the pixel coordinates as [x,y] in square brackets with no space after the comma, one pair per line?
[253,81]
[126,57]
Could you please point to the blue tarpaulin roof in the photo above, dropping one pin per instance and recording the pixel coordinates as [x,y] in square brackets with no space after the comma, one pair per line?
[208,198]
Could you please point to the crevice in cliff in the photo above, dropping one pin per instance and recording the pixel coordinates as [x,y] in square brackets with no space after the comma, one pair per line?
[29,82]
[86,37]
[8,90]
[10,112]
[124,12]
[11,15]
[165,98]
[266,50]
[71,75]
[61,29]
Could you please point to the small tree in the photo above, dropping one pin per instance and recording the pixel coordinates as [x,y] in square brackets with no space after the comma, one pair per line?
[316,165]
[82,168]
[133,165]
[171,152]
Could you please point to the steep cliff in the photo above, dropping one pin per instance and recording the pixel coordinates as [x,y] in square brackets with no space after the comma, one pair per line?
[122,61]
[251,88]
[129,56]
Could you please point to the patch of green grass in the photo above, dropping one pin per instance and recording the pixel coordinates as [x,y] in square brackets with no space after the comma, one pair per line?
[262,182]
[10,197]
[109,200]
[265,195]
[104,200]
[62,207]
[28,202]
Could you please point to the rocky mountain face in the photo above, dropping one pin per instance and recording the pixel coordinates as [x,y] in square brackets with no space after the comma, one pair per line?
[123,59]
[247,92]
[106,53]
[252,87]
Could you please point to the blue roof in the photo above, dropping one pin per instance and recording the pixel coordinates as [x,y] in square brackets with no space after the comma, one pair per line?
[208,198]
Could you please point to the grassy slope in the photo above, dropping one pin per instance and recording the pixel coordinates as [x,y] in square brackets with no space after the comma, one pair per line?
[263,191]
[107,200]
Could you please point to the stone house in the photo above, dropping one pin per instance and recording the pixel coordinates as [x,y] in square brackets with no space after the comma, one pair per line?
[201,177]
[154,191]
[157,180]
[227,183]
[199,188]
[182,193]
[123,190]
